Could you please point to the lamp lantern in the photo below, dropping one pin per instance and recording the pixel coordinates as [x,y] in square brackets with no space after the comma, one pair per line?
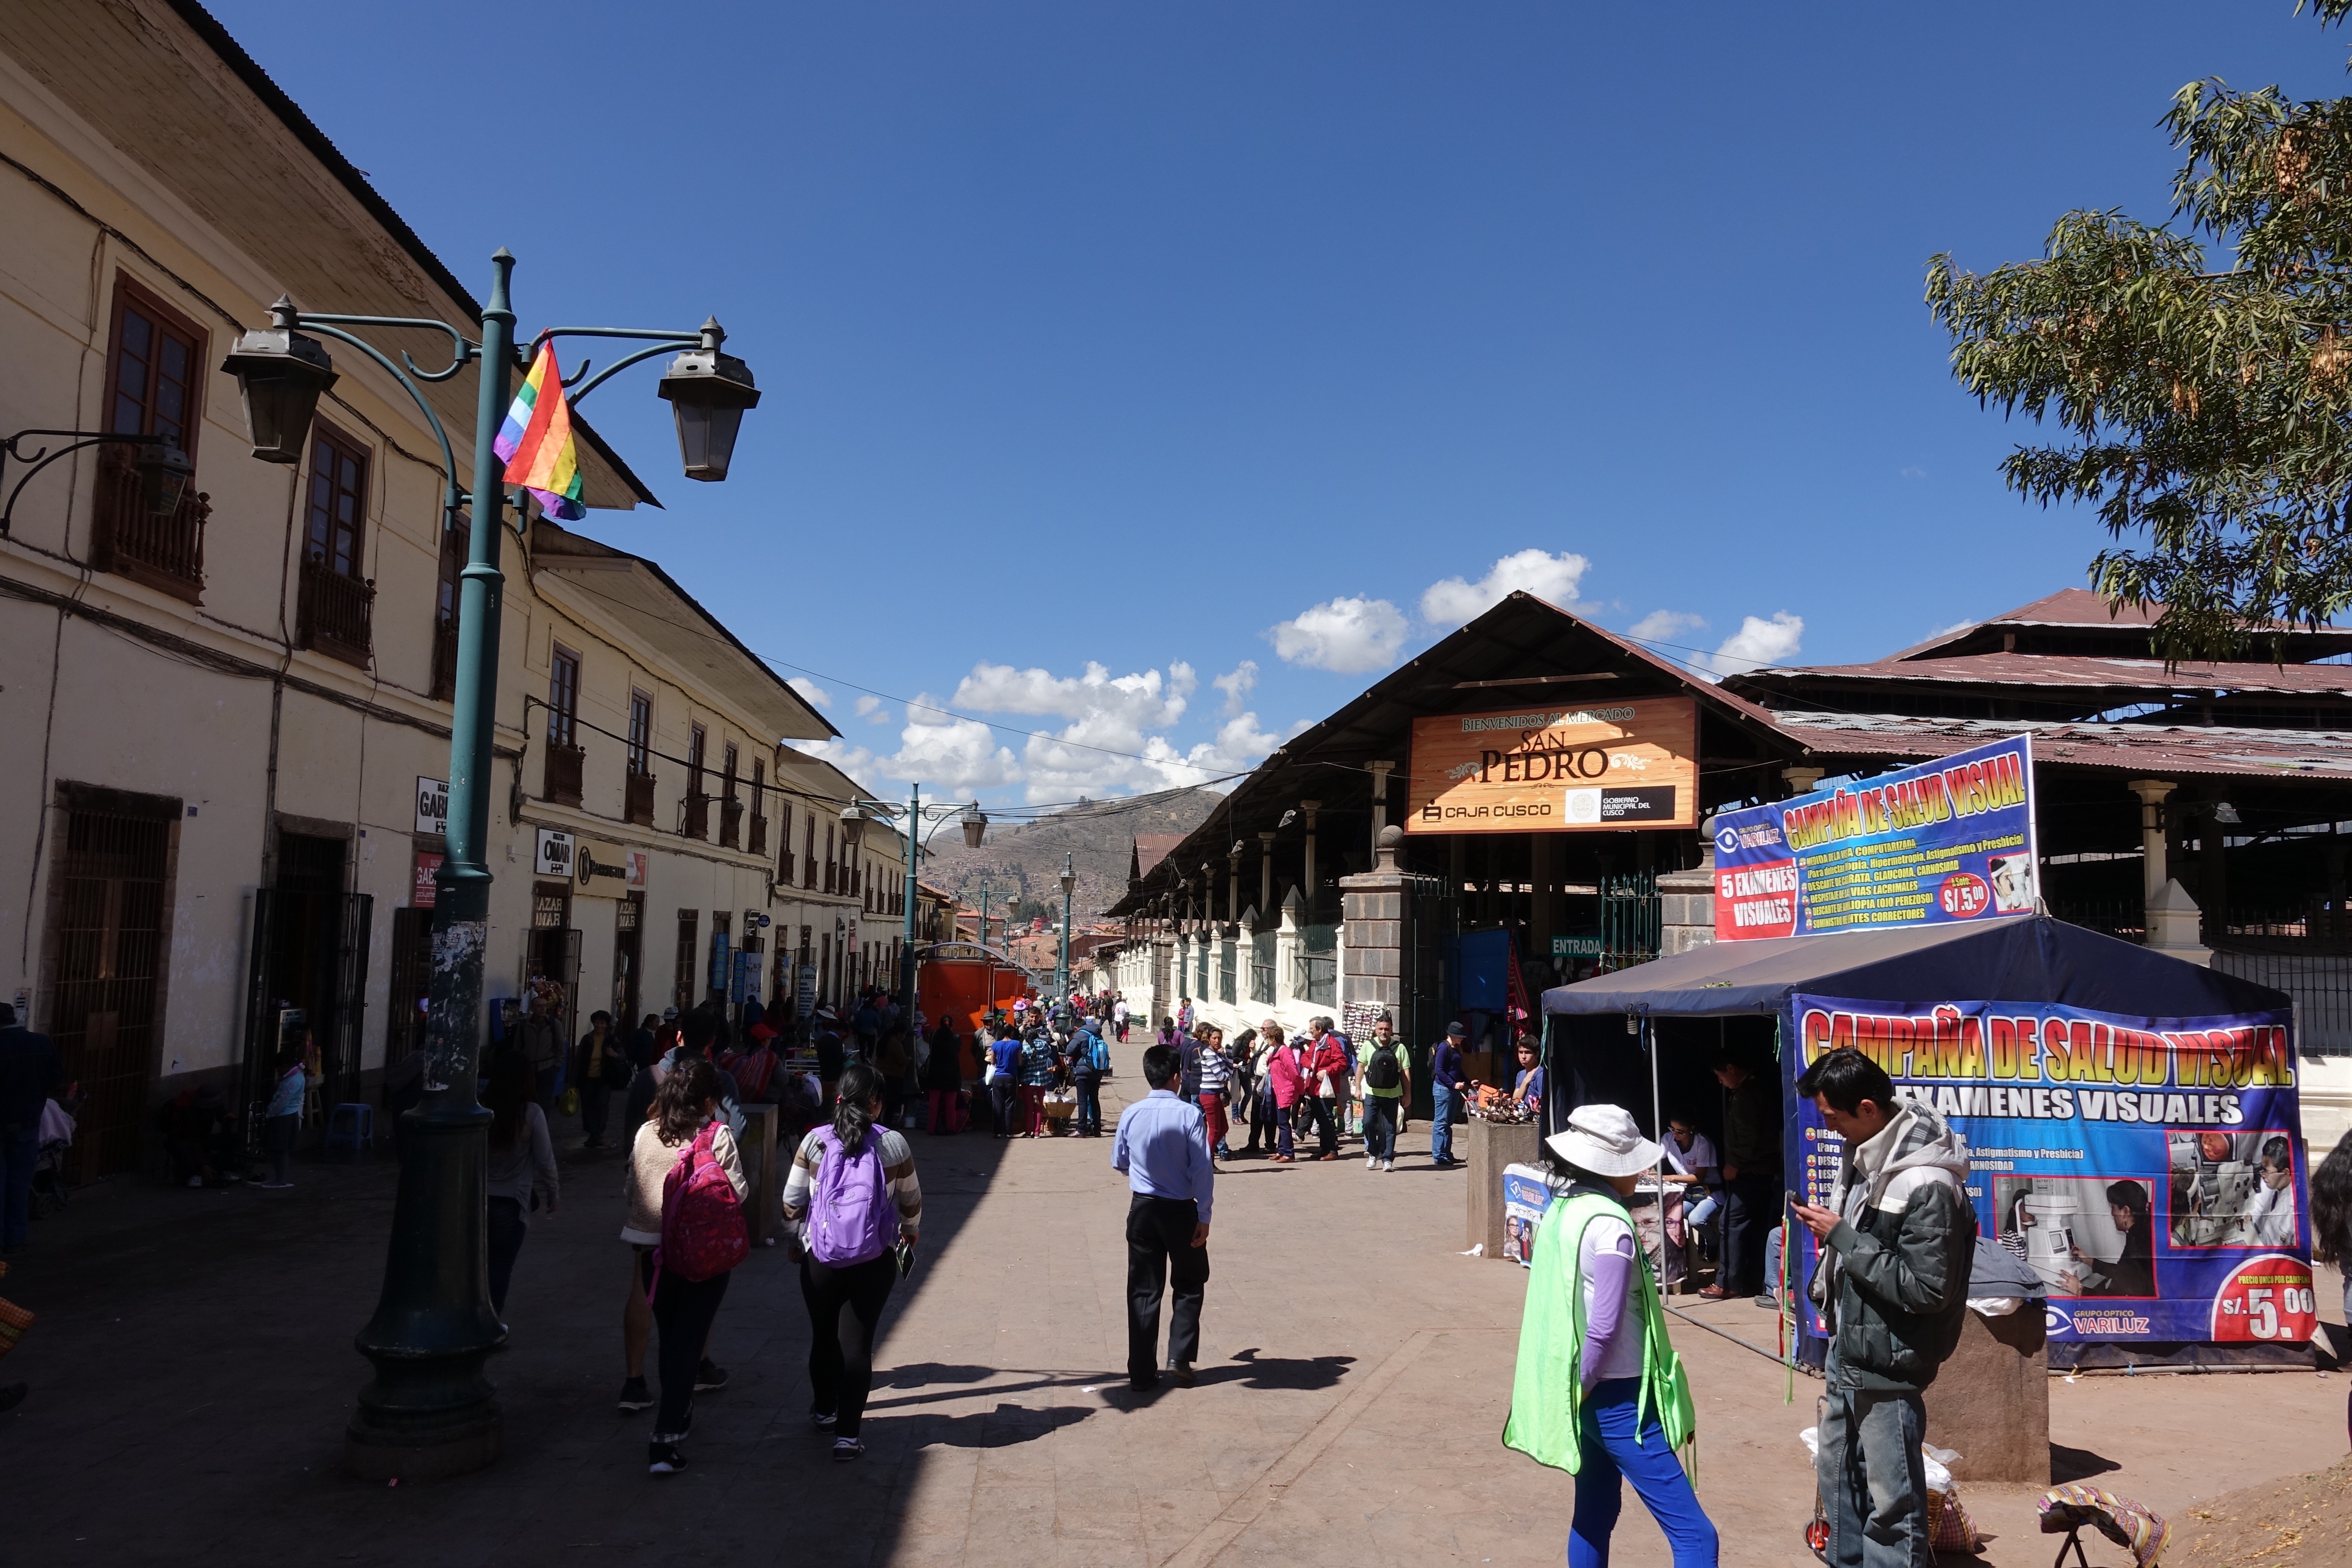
[281,374]
[164,471]
[975,826]
[853,824]
[707,390]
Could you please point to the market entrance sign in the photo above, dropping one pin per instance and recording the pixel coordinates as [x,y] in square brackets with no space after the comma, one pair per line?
[1610,766]
[1930,844]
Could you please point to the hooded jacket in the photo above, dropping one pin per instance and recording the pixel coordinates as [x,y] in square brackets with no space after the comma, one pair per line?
[1894,1275]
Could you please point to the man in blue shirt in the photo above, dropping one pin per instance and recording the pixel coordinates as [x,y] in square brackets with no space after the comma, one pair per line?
[1162,1150]
[1446,1084]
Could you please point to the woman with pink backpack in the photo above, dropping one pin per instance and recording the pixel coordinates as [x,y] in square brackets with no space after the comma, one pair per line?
[854,1206]
[686,1193]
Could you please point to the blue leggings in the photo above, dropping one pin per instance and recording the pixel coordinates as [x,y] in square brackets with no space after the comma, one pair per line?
[1606,1439]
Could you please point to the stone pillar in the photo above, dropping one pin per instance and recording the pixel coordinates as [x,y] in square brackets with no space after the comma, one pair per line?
[1492,1145]
[1266,871]
[1371,964]
[1803,781]
[1539,901]
[1686,906]
[2172,918]
[1310,807]
[1379,772]
[1286,952]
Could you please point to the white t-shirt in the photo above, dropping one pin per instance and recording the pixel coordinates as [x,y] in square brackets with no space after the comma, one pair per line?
[1604,1233]
[1700,1156]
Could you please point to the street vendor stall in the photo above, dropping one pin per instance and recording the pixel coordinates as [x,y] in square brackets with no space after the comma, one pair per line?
[2132,1118]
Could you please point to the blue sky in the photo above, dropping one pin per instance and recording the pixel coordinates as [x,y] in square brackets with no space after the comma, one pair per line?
[1112,351]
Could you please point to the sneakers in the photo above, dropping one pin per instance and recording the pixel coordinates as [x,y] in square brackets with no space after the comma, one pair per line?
[848,1448]
[663,1459]
[273,1187]
[710,1377]
[635,1396]
[1388,1165]
[1371,1161]
[821,1419]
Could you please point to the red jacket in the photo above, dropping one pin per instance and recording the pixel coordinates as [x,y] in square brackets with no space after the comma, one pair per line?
[1284,1076]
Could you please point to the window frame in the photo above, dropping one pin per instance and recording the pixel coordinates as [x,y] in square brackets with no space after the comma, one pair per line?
[130,293]
[562,699]
[346,448]
[641,734]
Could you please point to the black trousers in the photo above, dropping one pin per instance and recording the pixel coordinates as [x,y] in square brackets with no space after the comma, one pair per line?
[845,1304]
[508,1231]
[1752,1206]
[1327,1132]
[1158,1245]
[595,1109]
[684,1310]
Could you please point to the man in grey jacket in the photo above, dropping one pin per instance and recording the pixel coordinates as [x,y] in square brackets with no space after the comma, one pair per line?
[1897,1240]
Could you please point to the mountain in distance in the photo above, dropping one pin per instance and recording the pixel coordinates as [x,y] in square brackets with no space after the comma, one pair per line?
[1022,863]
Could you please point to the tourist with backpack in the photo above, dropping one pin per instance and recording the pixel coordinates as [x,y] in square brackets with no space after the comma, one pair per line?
[1090,1059]
[686,1192]
[854,1207]
[1387,1091]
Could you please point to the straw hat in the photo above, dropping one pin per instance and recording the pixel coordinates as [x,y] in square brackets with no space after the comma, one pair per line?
[1603,1139]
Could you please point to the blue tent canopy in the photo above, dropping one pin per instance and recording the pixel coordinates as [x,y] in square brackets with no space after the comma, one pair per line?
[2021,958]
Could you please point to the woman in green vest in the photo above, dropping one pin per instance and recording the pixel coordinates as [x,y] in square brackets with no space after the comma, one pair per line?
[1599,1391]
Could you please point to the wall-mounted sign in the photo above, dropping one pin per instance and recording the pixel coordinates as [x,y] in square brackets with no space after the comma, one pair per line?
[433,806]
[1588,946]
[1943,841]
[423,891]
[600,870]
[554,855]
[1609,766]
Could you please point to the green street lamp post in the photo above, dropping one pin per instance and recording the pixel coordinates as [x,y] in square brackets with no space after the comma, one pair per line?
[429,1410]
[1062,980]
[975,823]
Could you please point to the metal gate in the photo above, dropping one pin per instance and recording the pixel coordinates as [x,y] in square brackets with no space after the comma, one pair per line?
[109,947]
[1433,923]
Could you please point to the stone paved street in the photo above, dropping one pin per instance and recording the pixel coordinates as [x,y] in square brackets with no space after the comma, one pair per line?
[192,1372]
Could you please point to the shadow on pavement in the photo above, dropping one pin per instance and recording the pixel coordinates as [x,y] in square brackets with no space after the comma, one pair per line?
[1252,1371]
[2076,1465]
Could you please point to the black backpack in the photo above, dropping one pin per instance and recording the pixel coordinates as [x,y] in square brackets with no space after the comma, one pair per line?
[1381,1069]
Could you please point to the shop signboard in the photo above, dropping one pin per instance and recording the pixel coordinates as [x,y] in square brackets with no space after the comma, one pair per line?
[2148,1169]
[602,871]
[1943,841]
[433,806]
[718,964]
[1607,767]
[422,889]
[804,990]
[552,856]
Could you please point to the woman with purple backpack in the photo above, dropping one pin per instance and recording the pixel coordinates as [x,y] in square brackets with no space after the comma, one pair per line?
[853,1206]
[686,1193]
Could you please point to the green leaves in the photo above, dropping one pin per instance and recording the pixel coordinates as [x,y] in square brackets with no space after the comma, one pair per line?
[2205,413]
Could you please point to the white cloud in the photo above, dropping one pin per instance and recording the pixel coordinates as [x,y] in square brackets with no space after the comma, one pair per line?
[811,689]
[1349,636]
[1758,642]
[1912,473]
[873,710]
[960,756]
[1666,626]
[1237,685]
[1145,701]
[1454,601]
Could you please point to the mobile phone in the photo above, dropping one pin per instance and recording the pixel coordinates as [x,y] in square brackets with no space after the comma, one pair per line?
[1794,1201]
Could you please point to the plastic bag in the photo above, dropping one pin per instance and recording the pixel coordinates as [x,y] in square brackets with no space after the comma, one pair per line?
[568,1103]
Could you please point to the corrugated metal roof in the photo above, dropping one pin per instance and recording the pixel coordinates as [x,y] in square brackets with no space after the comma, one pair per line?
[2163,749]
[2060,671]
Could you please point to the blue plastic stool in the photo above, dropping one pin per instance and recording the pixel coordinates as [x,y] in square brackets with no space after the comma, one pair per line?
[351,1126]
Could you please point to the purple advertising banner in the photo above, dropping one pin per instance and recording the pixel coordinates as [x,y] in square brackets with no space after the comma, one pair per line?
[2149,1170]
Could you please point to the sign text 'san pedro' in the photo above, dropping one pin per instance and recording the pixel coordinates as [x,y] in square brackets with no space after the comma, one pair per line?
[1611,766]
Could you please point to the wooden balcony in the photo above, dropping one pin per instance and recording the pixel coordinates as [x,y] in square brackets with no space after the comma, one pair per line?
[563,768]
[759,845]
[166,553]
[697,824]
[730,823]
[638,806]
[444,657]
[332,613]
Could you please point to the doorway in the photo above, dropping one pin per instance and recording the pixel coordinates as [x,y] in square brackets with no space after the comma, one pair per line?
[107,936]
[308,989]
[551,957]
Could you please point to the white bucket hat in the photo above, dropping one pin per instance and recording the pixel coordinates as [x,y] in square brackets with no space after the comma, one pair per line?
[1603,1139]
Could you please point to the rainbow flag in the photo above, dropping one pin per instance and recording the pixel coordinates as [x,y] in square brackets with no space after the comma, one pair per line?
[536,441]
